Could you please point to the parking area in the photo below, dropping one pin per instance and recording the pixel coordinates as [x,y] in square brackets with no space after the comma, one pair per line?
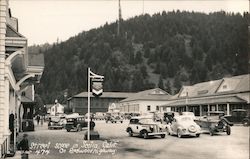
[116,140]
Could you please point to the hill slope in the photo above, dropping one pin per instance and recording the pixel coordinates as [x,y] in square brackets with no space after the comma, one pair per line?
[165,50]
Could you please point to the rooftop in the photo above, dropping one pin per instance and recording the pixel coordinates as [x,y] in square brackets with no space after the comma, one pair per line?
[151,94]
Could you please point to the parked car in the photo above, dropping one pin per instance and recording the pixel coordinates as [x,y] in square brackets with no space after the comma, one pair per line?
[183,126]
[191,114]
[239,116]
[99,116]
[145,127]
[75,123]
[169,116]
[56,122]
[214,122]
[114,119]
[28,125]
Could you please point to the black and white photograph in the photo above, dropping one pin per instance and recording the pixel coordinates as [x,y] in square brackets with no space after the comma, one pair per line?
[124,79]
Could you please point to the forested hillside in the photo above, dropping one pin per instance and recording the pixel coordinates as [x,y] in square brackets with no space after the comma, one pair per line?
[165,50]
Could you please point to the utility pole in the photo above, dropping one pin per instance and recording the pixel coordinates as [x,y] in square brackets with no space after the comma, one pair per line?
[119,17]
[142,7]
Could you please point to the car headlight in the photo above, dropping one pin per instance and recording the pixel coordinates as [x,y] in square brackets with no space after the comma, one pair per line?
[192,128]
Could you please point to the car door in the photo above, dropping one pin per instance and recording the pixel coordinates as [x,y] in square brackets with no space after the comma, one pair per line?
[133,124]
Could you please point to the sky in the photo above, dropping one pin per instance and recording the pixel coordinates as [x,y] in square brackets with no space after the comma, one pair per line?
[45,21]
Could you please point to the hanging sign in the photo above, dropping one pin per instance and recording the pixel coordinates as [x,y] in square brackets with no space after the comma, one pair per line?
[97,86]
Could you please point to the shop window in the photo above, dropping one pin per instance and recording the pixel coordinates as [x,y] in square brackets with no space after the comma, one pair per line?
[148,107]
[157,108]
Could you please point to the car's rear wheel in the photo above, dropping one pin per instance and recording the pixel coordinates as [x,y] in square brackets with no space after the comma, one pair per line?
[179,134]
[121,121]
[228,130]
[163,135]
[197,135]
[68,130]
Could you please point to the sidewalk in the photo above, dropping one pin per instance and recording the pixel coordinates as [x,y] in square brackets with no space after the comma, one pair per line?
[19,137]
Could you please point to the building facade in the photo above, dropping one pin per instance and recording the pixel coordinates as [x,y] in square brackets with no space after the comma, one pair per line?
[144,102]
[79,102]
[16,73]
[219,95]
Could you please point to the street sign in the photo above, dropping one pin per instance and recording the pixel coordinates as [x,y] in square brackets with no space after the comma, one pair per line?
[97,87]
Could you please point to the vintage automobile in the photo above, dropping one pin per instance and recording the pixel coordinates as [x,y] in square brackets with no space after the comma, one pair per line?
[75,123]
[239,116]
[183,126]
[55,122]
[169,116]
[28,125]
[114,119]
[214,122]
[99,116]
[191,114]
[145,127]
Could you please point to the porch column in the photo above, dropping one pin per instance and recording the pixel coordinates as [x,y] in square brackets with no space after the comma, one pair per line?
[200,110]
[186,108]
[208,108]
[217,107]
[6,129]
[228,109]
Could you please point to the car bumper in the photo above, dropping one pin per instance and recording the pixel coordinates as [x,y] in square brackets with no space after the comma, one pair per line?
[157,133]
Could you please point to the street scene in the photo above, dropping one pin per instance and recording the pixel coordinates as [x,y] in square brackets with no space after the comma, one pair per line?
[122,79]
[170,147]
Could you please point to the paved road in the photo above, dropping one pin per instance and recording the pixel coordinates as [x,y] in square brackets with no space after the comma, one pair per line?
[115,140]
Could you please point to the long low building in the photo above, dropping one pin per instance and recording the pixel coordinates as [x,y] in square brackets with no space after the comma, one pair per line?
[219,95]
[145,102]
[79,102]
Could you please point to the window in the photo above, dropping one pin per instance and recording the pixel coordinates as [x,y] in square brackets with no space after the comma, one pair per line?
[157,108]
[148,107]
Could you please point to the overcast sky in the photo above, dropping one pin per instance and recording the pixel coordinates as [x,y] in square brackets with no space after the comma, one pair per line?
[44,21]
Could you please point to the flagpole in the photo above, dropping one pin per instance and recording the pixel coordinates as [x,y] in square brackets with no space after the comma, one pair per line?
[88,103]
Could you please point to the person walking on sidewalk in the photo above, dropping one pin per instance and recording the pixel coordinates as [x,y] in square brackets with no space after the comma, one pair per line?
[38,119]
[24,143]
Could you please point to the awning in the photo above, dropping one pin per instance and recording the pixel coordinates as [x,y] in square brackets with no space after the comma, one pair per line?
[245,96]
[206,101]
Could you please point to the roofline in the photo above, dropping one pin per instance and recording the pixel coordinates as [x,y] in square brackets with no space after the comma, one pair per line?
[143,100]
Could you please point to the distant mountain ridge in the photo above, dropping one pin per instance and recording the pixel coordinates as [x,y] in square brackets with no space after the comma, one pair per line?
[165,50]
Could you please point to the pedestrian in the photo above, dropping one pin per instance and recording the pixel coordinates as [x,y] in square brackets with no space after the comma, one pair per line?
[24,143]
[37,119]
[42,118]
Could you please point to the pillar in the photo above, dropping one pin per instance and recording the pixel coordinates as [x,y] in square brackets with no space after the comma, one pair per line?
[200,110]
[217,107]
[228,109]
[4,107]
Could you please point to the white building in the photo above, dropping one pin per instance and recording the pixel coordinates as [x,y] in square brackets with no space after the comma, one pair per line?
[56,109]
[16,73]
[144,102]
